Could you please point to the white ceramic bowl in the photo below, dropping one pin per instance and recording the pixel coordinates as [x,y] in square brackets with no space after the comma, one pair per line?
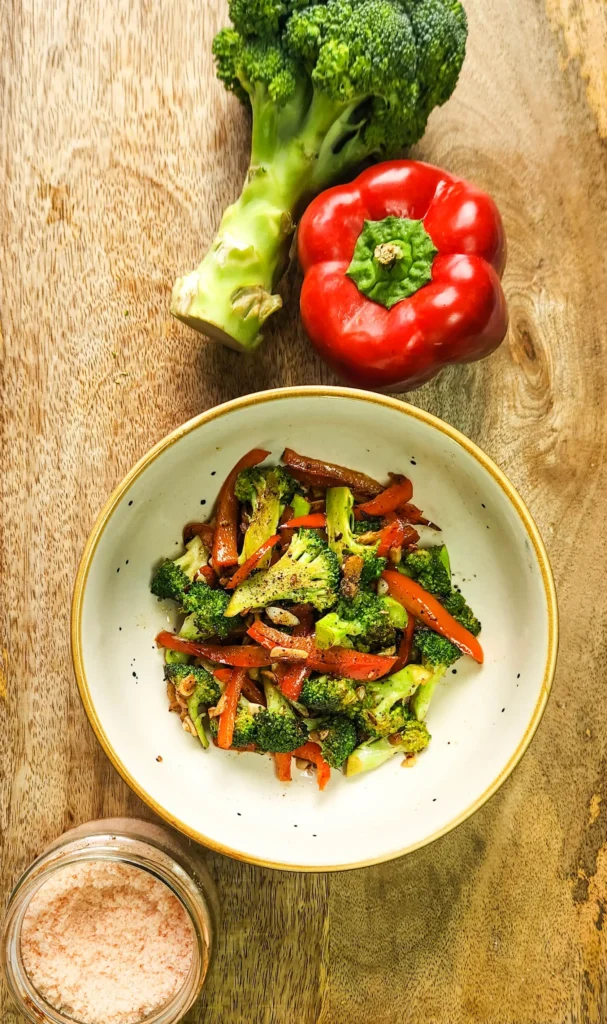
[482,719]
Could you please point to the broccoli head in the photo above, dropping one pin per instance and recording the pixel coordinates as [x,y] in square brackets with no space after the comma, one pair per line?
[267,491]
[174,575]
[278,730]
[455,603]
[337,738]
[384,711]
[430,567]
[206,607]
[342,539]
[411,739]
[330,85]
[245,725]
[307,572]
[366,622]
[198,687]
[437,654]
[327,695]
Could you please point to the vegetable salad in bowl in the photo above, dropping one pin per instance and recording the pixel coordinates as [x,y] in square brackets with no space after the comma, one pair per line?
[316,621]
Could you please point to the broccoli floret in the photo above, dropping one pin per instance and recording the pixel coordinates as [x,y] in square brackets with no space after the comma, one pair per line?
[267,491]
[366,622]
[412,738]
[342,539]
[371,525]
[307,572]
[205,692]
[278,730]
[330,85]
[174,575]
[326,695]
[455,603]
[384,712]
[206,607]
[245,725]
[437,654]
[430,567]
[337,738]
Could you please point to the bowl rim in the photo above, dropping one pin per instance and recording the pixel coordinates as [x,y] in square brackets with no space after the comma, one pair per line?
[260,398]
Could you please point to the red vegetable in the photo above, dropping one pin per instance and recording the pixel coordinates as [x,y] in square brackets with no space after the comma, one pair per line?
[208,574]
[242,657]
[426,250]
[335,660]
[428,610]
[395,534]
[231,695]
[312,752]
[413,514]
[283,767]
[247,567]
[292,677]
[313,520]
[330,474]
[398,494]
[225,541]
[204,530]
[406,645]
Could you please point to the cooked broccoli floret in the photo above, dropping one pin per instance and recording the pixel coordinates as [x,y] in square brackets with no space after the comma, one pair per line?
[337,738]
[206,607]
[174,575]
[384,712]
[366,622]
[205,692]
[307,572]
[326,695]
[278,730]
[267,491]
[300,506]
[371,525]
[430,567]
[342,539]
[455,603]
[437,654]
[245,725]
[330,85]
[412,738]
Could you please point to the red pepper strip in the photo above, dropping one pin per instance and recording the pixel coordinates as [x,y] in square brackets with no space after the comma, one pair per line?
[222,675]
[231,696]
[241,657]
[428,610]
[331,473]
[406,645]
[315,519]
[283,767]
[208,574]
[412,514]
[292,677]
[249,688]
[312,752]
[204,530]
[399,493]
[394,535]
[247,568]
[225,549]
[335,660]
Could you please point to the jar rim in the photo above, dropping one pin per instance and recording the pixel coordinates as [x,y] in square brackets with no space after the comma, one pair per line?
[108,847]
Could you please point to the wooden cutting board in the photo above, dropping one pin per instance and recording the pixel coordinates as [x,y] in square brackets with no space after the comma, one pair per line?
[118,152]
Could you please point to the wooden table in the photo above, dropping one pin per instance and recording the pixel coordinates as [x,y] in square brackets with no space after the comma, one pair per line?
[118,151]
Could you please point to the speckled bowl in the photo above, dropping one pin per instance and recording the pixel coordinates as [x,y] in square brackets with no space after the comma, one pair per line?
[481,719]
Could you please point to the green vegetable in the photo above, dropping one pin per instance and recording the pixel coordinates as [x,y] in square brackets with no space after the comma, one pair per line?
[206,607]
[174,575]
[337,738]
[412,738]
[392,259]
[267,491]
[366,622]
[330,85]
[432,570]
[342,539]
[176,657]
[300,506]
[278,730]
[308,572]
[326,695]
[437,654]
[245,725]
[205,693]
[384,712]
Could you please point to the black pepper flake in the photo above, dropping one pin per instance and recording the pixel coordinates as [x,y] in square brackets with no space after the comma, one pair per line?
[127,562]
[433,799]
[518,676]
[134,674]
[413,462]
[294,826]
[503,709]
[130,502]
[117,570]
[213,471]
[454,671]
[203,501]
[314,835]
[120,629]
[239,814]
[483,506]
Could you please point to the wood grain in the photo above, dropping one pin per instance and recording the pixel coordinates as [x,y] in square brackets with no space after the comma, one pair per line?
[118,151]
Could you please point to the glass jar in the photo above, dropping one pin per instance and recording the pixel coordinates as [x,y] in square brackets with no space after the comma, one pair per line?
[166,855]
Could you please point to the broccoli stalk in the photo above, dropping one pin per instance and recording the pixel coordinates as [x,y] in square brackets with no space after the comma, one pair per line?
[206,692]
[384,712]
[437,654]
[411,739]
[329,85]
[342,539]
[308,571]
[267,492]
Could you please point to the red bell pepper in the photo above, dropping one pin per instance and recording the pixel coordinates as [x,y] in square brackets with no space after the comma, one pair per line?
[315,520]
[428,610]
[204,530]
[336,660]
[312,752]
[395,534]
[292,677]
[249,688]
[241,657]
[225,540]
[393,498]
[283,767]
[231,695]
[247,567]
[402,275]
[330,474]
[208,574]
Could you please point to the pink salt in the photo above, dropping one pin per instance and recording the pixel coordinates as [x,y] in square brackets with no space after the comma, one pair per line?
[106,943]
